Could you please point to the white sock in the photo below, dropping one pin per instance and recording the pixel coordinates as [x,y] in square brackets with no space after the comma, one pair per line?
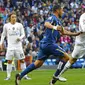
[60,65]
[23,67]
[9,70]
[68,64]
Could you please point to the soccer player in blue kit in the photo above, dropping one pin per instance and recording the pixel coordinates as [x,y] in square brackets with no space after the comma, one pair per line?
[48,45]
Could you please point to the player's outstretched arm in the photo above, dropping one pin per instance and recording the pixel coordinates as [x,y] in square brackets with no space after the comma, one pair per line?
[65,32]
[50,26]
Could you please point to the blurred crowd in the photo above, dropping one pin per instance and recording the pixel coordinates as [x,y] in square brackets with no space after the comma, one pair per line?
[33,13]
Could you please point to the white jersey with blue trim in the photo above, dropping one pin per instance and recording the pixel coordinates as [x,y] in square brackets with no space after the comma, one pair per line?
[12,32]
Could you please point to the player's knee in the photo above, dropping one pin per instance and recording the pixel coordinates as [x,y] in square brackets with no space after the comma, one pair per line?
[66,57]
[73,60]
[9,61]
[22,61]
[38,63]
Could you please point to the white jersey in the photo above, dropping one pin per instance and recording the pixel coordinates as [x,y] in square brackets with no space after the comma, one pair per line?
[12,32]
[80,39]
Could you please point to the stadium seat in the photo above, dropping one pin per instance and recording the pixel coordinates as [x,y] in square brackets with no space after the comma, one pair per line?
[53,61]
[49,62]
[74,65]
[83,64]
[81,60]
[80,63]
[45,63]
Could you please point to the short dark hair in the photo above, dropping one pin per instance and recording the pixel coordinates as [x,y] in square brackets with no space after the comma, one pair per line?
[55,7]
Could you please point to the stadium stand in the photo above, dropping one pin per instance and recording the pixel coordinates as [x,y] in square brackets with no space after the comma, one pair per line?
[33,13]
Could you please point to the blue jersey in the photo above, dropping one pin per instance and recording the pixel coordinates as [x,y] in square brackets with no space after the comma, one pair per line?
[48,44]
[51,35]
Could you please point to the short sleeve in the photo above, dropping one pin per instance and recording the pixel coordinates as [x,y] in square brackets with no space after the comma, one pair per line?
[50,19]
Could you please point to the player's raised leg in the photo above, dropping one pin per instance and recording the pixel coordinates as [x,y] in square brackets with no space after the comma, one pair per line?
[77,53]
[60,66]
[30,68]
[23,67]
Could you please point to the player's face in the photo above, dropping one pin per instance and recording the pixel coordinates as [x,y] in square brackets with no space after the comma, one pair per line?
[13,18]
[61,12]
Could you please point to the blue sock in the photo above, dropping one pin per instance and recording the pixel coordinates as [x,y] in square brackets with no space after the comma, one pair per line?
[60,67]
[27,70]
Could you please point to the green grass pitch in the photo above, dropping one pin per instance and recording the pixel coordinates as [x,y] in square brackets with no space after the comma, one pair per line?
[42,77]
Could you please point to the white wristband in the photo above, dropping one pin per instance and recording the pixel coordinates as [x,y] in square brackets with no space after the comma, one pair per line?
[55,27]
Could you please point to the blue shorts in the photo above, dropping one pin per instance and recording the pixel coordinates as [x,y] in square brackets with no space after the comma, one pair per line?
[47,49]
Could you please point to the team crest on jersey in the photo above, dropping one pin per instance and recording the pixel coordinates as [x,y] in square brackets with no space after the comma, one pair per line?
[13,28]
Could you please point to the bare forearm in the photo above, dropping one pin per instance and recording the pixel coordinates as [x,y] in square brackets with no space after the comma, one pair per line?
[48,25]
[71,33]
[2,39]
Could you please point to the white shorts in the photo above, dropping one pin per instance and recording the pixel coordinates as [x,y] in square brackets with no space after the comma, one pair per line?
[79,51]
[18,54]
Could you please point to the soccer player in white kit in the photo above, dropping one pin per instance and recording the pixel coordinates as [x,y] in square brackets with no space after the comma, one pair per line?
[79,48]
[14,32]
